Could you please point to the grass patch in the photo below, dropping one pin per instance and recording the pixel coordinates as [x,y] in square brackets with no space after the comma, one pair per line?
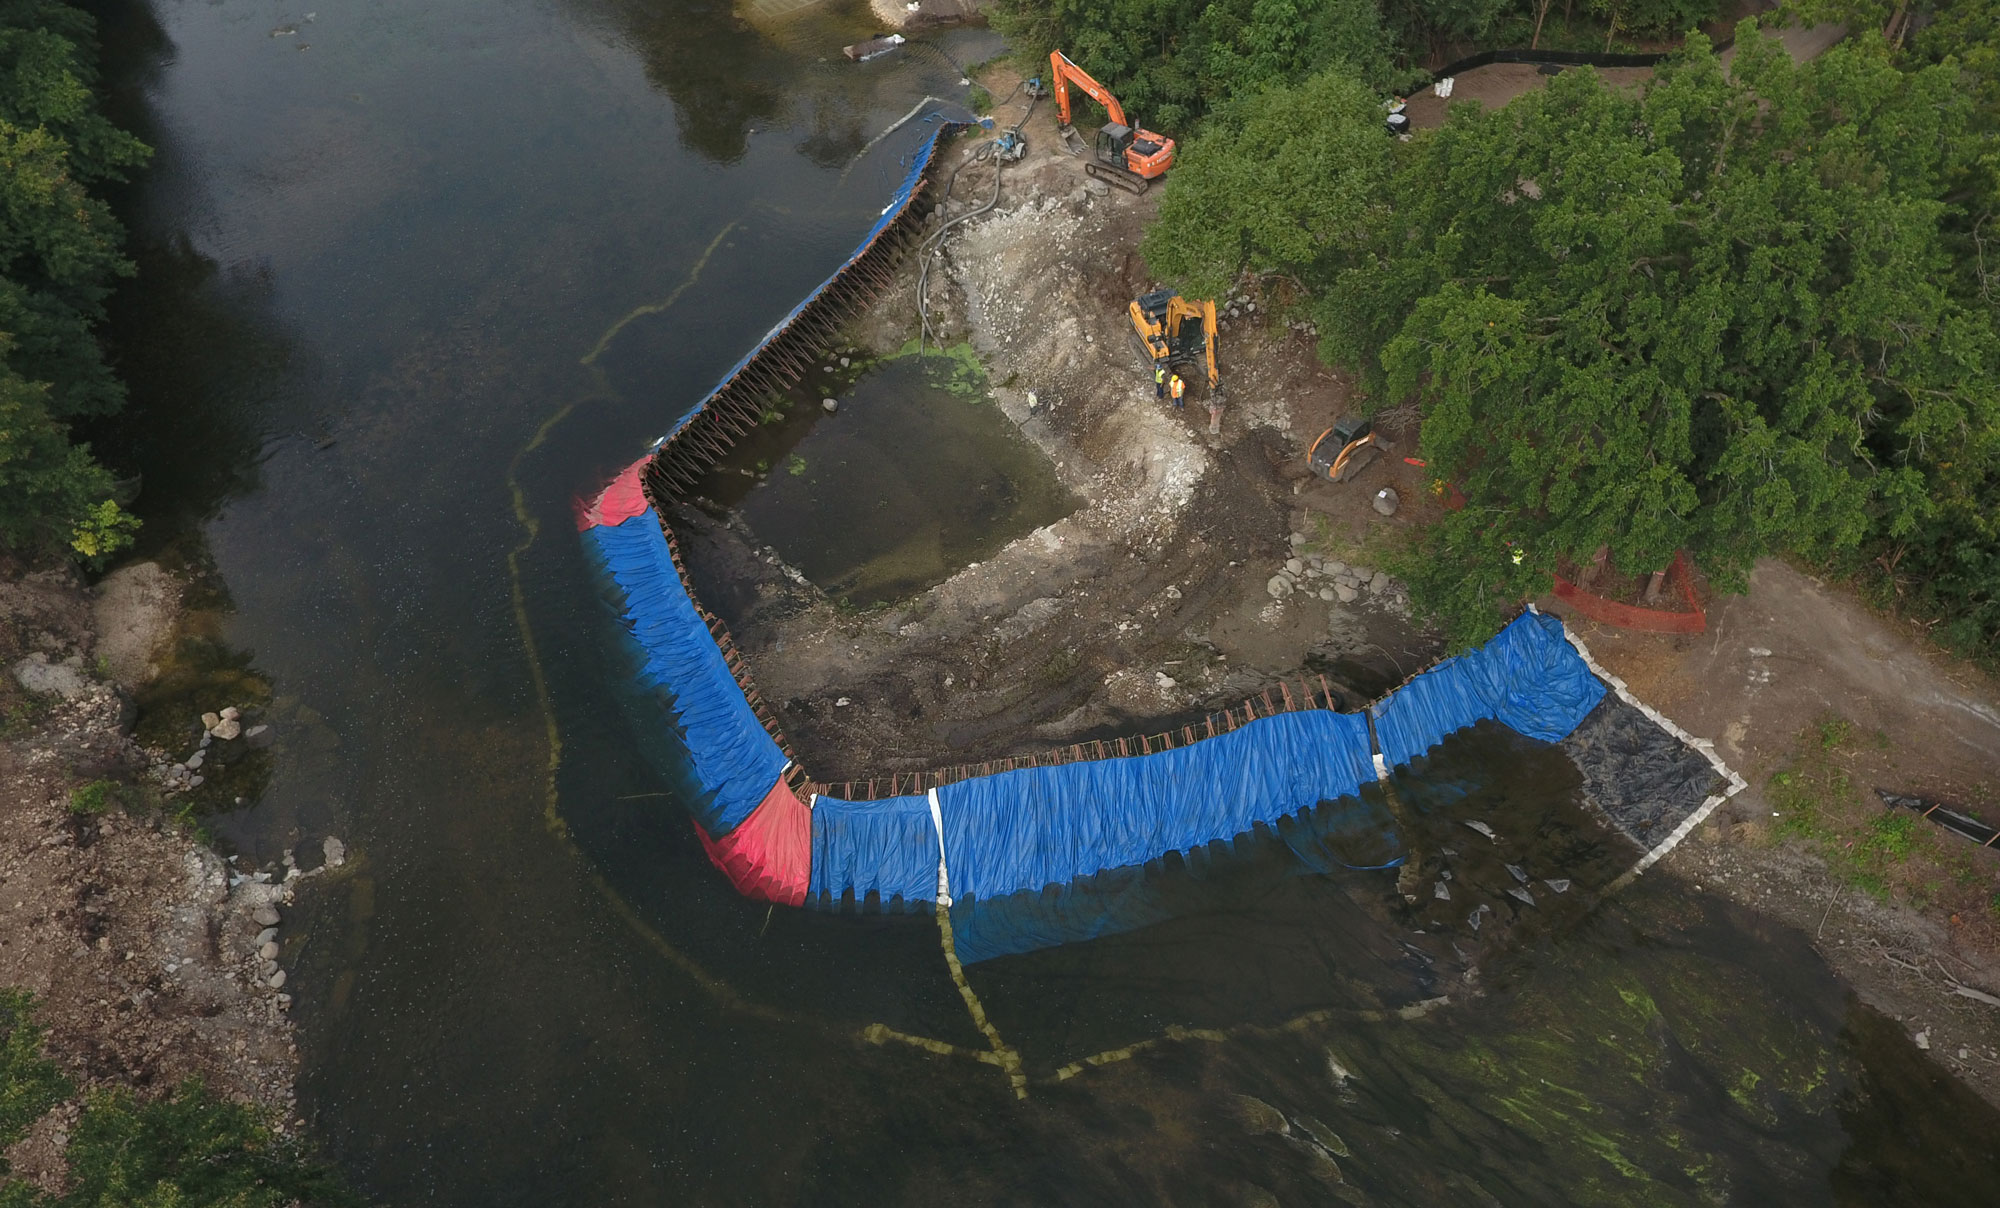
[185,1148]
[96,797]
[22,713]
[1817,801]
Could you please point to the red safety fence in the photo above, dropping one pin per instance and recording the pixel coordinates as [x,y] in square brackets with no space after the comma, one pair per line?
[1680,581]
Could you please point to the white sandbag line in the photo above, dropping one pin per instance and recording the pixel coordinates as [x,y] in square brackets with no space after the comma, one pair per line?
[1736,783]
[944,875]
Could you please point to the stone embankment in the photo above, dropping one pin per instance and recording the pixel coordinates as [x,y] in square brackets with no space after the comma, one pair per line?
[153,958]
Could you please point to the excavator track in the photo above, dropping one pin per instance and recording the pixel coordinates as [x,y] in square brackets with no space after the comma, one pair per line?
[1131,182]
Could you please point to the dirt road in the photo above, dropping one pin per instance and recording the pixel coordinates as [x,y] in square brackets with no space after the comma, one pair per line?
[1502,82]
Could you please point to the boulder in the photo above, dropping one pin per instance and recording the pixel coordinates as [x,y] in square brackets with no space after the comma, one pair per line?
[1344,593]
[1380,583]
[134,613]
[65,679]
[228,728]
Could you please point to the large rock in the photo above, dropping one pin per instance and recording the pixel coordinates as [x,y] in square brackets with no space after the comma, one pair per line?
[1345,593]
[134,614]
[65,679]
[206,877]
[1279,587]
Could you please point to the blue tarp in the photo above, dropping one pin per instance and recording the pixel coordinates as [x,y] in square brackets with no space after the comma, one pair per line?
[1025,829]
[1529,677]
[735,759]
[888,847]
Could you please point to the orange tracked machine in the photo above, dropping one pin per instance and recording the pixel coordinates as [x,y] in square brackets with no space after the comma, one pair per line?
[1125,155]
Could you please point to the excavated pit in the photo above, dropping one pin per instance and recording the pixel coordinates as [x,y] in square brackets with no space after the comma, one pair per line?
[901,616]
[916,475]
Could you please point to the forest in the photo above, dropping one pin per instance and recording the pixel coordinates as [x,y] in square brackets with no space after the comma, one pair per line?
[61,254]
[1743,310]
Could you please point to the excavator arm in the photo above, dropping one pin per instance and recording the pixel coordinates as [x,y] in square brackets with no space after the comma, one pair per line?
[1065,73]
[1208,329]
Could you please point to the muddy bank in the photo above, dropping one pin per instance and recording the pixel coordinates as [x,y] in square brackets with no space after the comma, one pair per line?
[1196,570]
[153,958]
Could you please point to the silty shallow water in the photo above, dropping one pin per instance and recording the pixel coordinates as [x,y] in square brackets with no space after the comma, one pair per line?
[419,274]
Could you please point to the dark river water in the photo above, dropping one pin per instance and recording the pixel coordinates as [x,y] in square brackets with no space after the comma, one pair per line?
[417,274]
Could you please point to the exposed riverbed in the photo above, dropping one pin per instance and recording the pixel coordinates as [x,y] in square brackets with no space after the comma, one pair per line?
[415,277]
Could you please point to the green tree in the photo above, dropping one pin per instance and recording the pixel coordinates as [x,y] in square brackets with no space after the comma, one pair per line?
[1286,181]
[1712,317]
[60,254]
[1171,61]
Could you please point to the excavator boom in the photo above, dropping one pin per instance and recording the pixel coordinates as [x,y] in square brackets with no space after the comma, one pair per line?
[1066,73]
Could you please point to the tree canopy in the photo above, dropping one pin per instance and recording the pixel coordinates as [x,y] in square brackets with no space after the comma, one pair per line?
[60,254]
[1171,61]
[1288,182]
[1723,314]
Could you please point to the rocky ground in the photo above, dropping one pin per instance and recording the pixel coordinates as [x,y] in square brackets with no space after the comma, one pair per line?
[153,958]
[1197,571]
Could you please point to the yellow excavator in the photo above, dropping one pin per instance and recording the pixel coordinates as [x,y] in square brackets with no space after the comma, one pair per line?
[1177,335]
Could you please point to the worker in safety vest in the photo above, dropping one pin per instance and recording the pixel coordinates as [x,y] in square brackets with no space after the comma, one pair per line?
[1159,381]
[1176,387]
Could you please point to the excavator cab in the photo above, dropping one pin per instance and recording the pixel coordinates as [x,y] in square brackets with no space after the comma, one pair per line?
[1125,155]
[1133,153]
[1176,334]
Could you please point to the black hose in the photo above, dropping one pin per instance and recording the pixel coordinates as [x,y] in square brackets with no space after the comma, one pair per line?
[929,245]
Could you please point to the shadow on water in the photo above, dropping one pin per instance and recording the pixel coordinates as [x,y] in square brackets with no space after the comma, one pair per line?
[917,475]
[206,372]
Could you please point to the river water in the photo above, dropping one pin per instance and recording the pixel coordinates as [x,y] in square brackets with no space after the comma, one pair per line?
[417,274]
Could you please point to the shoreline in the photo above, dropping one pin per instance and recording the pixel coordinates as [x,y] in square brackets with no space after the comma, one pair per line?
[152,960]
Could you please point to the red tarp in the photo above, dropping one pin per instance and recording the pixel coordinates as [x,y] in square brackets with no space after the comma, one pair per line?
[617,503]
[768,855]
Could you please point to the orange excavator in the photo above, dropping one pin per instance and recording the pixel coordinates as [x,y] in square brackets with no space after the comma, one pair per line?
[1126,155]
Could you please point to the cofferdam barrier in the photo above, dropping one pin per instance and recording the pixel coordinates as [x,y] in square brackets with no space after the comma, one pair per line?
[1073,817]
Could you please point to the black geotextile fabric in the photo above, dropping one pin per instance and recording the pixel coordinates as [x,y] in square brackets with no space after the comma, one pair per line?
[1644,779]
